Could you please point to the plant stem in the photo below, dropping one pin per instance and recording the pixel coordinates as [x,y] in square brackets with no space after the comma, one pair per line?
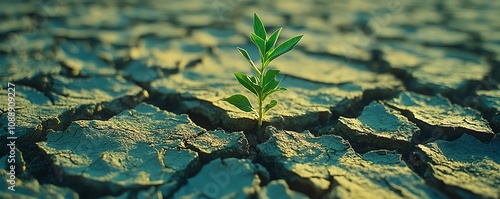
[260,97]
[260,114]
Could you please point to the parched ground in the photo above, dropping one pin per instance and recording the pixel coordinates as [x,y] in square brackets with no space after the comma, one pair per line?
[123,99]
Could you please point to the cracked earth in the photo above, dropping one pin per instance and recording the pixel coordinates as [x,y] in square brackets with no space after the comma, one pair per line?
[123,99]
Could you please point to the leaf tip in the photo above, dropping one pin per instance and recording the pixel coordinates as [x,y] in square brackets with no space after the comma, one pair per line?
[255,16]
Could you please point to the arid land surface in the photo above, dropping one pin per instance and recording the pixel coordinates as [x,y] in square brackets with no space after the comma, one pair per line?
[123,99]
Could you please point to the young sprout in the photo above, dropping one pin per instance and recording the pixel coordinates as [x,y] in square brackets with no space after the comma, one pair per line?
[264,82]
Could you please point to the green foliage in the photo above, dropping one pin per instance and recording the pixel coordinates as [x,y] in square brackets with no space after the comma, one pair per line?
[264,83]
[241,102]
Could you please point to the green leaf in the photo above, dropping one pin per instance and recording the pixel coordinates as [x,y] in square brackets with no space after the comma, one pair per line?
[273,91]
[260,43]
[247,56]
[271,104]
[258,27]
[271,86]
[284,47]
[269,81]
[269,52]
[248,82]
[270,75]
[241,102]
[272,40]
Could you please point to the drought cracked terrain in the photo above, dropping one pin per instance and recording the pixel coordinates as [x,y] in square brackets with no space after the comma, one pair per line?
[123,99]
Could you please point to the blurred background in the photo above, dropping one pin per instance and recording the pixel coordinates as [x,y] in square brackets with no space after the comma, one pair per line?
[162,37]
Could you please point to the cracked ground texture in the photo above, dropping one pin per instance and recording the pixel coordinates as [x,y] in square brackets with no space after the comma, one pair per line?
[123,99]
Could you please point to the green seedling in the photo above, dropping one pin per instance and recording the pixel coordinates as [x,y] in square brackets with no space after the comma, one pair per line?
[264,82]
